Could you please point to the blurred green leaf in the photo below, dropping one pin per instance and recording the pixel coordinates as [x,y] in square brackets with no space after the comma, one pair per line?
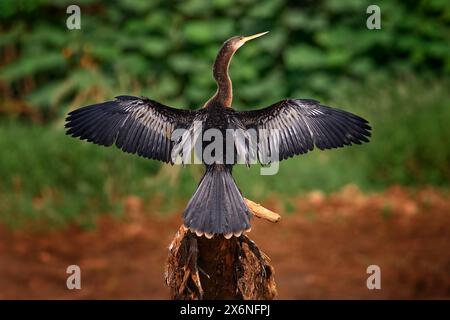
[206,31]
[304,57]
[32,65]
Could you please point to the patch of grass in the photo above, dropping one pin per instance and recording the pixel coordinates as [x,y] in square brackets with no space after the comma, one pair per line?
[48,175]
[289,207]
[386,211]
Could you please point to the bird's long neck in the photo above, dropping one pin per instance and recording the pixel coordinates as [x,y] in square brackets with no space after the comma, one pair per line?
[224,94]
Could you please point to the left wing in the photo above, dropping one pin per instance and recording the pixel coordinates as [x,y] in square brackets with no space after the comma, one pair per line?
[135,125]
[300,125]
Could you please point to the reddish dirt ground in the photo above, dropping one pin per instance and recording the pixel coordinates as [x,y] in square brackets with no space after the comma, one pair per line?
[319,252]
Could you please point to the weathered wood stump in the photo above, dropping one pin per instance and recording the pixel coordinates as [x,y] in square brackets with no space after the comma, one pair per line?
[220,268]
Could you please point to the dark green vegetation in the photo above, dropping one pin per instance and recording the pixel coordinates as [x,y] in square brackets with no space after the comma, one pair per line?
[316,49]
[165,52]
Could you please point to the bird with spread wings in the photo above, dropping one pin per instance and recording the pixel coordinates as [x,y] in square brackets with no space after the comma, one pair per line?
[146,127]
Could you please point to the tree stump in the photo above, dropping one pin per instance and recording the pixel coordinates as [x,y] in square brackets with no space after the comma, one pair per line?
[220,268]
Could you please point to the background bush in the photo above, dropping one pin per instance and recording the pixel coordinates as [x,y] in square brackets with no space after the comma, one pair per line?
[166,50]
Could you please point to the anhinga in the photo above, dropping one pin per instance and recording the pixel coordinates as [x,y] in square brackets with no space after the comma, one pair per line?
[144,127]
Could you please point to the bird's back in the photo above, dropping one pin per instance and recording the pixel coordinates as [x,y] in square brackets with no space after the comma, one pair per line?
[218,128]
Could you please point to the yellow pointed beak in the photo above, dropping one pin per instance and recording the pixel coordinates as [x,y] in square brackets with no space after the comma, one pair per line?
[245,39]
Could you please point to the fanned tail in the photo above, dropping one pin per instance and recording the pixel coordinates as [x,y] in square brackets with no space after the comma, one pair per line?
[217,206]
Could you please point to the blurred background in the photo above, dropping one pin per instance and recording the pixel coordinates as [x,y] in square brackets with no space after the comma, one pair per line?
[63,201]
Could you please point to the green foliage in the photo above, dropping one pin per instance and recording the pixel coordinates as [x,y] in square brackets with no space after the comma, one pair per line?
[165,51]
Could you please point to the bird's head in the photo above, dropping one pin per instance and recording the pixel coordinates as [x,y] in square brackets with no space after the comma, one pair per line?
[236,42]
[220,70]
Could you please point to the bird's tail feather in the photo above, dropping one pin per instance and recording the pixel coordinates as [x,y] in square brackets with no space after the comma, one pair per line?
[217,206]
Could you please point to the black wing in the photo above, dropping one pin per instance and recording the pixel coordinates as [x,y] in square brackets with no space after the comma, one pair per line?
[135,125]
[301,124]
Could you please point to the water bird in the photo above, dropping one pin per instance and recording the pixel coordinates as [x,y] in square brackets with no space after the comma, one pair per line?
[145,127]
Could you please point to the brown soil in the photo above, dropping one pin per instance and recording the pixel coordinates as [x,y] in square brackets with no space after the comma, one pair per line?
[320,251]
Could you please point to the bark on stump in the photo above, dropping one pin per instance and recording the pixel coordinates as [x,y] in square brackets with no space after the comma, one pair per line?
[220,268]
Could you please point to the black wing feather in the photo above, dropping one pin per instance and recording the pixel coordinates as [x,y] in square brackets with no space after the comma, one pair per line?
[303,124]
[135,125]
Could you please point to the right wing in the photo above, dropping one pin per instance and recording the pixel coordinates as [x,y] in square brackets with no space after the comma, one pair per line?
[300,125]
